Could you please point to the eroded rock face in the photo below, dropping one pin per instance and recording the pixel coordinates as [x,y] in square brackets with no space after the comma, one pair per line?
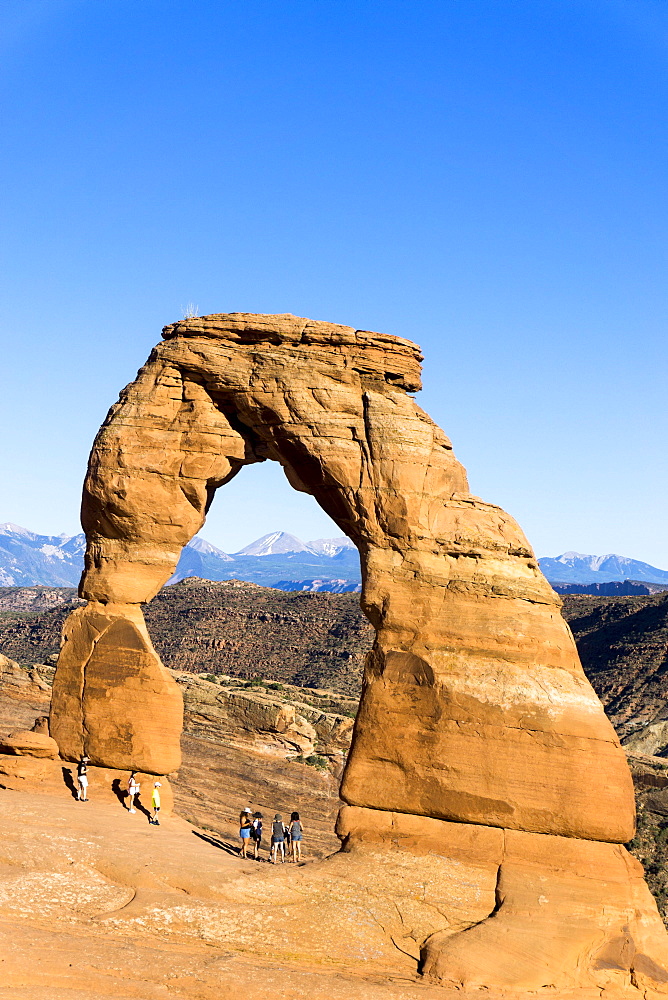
[112,697]
[475,709]
[24,743]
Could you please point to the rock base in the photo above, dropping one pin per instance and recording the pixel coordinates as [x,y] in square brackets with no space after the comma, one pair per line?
[525,911]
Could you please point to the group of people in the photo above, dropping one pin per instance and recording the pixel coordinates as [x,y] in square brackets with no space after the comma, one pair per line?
[134,789]
[250,824]
[282,835]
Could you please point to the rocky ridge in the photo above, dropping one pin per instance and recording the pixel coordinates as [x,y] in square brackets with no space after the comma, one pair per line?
[233,628]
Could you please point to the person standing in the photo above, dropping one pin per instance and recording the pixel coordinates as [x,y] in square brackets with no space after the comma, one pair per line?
[296,830]
[278,832]
[256,834]
[133,790]
[245,823]
[82,779]
[155,802]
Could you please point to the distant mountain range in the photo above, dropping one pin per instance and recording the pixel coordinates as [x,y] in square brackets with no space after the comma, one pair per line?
[285,562]
[574,567]
[27,559]
[275,560]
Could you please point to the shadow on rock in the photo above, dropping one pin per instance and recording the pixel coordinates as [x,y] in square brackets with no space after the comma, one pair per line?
[220,844]
[119,792]
[69,781]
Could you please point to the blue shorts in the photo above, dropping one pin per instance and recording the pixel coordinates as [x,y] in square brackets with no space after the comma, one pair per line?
[278,840]
[244,833]
[295,836]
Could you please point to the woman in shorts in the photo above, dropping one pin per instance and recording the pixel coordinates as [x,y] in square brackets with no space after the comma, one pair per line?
[82,779]
[278,832]
[245,823]
[133,791]
[296,829]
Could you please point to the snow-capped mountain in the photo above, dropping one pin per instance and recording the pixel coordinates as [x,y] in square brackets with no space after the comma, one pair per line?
[201,558]
[330,546]
[279,543]
[318,586]
[576,567]
[198,544]
[282,560]
[27,558]
[276,543]
[278,559]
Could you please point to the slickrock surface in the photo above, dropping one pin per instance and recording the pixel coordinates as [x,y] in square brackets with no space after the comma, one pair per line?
[474,708]
[215,778]
[97,905]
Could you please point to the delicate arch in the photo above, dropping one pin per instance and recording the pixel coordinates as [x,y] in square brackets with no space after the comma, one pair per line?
[448,580]
[477,736]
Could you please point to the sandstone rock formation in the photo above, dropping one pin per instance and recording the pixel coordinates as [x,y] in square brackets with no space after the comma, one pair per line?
[475,711]
[25,743]
[296,725]
[113,699]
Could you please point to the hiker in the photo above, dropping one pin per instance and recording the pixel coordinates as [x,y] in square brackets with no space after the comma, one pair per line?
[245,823]
[278,832]
[82,779]
[155,802]
[256,834]
[296,829]
[133,790]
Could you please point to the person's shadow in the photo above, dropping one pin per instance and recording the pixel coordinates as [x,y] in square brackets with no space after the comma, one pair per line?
[119,792]
[69,781]
[220,844]
[122,796]
[141,807]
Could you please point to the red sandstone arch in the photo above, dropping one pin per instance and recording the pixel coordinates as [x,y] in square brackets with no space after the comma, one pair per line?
[475,709]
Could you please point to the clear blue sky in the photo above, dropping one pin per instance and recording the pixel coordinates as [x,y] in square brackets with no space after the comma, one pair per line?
[486,177]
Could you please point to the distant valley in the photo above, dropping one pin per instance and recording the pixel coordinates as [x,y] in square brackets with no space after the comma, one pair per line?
[285,562]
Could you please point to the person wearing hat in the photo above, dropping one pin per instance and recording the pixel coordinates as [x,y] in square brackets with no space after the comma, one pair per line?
[245,824]
[278,832]
[82,779]
[256,834]
[155,802]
